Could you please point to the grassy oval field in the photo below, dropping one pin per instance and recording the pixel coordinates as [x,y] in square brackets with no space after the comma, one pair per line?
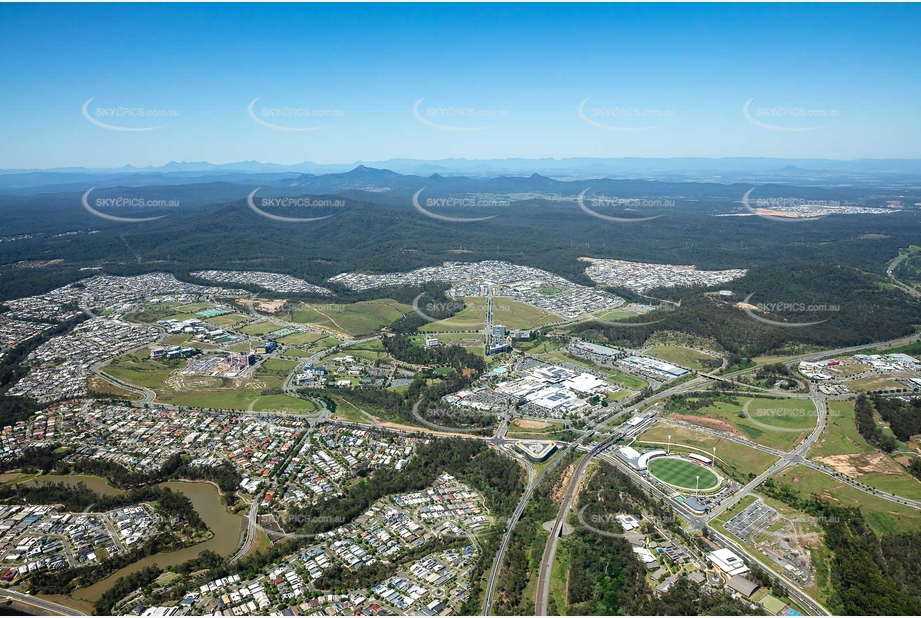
[682,473]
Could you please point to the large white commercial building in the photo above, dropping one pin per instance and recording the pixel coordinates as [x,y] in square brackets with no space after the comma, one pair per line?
[727,562]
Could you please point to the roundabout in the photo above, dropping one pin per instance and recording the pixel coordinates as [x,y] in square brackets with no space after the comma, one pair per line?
[682,474]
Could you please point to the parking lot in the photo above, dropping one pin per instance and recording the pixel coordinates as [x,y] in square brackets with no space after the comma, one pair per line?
[751,519]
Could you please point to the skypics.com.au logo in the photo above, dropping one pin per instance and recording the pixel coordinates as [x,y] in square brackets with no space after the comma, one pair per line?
[601,201]
[497,307]
[467,202]
[286,118]
[457,119]
[665,307]
[780,308]
[787,119]
[125,203]
[428,417]
[624,119]
[787,209]
[788,419]
[303,203]
[121,118]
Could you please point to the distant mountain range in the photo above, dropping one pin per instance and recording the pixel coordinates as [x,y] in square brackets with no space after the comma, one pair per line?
[579,167]
[399,178]
[385,186]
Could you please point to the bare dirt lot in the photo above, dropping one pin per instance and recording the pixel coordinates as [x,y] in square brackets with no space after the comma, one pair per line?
[858,465]
[711,423]
[529,424]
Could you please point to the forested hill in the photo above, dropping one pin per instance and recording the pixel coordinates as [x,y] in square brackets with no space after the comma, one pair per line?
[854,308]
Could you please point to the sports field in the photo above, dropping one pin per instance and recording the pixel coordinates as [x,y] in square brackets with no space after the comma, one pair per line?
[682,473]
[685,357]
[510,313]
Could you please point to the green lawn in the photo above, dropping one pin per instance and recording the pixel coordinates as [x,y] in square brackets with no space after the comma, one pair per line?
[283,403]
[559,578]
[347,411]
[900,483]
[778,423]
[471,317]
[866,463]
[194,307]
[320,344]
[883,516]
[227,320]
[297,352]
[464,340]
[840,436]
[510,313]
[276,365]
[140,370]
[536,346]
[514,314]
[684,357]
[736,460]
[151,312]
[98,385]
[259,328]
[175,340]
[238,399]
[355,319]
[300,338]
[375,345]
[682,473]
[371,355]
[618,395]
[614,316]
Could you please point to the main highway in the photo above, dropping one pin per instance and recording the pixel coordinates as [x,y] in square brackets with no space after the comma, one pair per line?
[785,460]
[503,545]
[249,535]
[526,497]
[546,565]
[44,606]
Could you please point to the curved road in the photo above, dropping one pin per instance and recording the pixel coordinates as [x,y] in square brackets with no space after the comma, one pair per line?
[251,526]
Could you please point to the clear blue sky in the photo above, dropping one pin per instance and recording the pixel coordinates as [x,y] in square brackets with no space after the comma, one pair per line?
[685,70]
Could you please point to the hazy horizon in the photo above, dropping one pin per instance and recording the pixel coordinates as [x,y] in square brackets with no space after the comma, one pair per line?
[148,84]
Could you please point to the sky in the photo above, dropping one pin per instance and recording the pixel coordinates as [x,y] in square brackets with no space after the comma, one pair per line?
[288,83]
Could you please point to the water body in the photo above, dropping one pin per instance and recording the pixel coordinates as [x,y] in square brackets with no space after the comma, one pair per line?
[96,483]
[205,497]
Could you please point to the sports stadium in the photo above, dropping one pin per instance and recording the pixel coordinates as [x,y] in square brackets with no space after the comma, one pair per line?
[685,473]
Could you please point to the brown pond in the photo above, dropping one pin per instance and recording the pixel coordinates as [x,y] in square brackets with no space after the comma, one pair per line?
[226,527]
